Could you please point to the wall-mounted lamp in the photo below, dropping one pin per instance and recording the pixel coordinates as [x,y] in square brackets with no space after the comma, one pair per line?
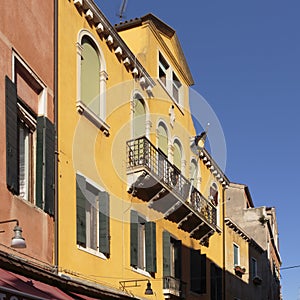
[17,240]
[134,283]
[198,141]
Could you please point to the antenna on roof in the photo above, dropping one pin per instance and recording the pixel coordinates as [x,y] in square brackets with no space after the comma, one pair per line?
[122,9]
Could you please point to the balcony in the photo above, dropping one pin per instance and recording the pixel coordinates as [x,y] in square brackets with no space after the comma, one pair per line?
[174,288]
[166,190]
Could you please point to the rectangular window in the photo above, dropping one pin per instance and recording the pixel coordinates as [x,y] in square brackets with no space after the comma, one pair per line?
[236,255]
[142,243]
[169,80]
[253,267]
[171,256]
[176,88]
[29,149]
[198,272]
[172,265]
[92,210]
[26,153]
[162,70]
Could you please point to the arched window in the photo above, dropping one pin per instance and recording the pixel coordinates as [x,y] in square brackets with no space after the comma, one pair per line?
[139,117]
[90,72]
[214,194]
[91,84]
[163,138]
[177,158]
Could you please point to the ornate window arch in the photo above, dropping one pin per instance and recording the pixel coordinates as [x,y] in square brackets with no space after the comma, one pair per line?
[177,153]
[139,116]
[92,75]
[163,137]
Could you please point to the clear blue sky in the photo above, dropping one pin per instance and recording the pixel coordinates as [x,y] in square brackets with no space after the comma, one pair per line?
[245,60]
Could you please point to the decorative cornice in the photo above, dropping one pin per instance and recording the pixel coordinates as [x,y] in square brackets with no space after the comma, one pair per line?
[237,229]
[157,26]
[108,32]
[243,234]
[183,73]
[214,168]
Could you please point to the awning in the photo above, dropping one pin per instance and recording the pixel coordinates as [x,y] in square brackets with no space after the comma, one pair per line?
[18,287]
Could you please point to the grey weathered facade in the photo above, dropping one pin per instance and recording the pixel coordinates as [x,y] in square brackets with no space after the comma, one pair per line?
[259,225]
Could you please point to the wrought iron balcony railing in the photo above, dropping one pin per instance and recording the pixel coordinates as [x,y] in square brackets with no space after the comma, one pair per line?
[143,155]
[174,286]
[203,206]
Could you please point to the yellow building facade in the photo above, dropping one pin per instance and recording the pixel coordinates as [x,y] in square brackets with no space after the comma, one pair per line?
[136,205]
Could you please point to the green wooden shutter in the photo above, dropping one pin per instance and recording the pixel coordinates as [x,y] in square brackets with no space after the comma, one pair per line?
[50,166]
[12,168]
[45,164]
[203,274]
[39,162]
[133,238]
[177,253]
[104,234]
[166,254]
[195,269]
[80,210]
[150,231]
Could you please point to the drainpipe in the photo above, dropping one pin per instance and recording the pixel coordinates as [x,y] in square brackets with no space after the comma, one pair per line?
[56,135]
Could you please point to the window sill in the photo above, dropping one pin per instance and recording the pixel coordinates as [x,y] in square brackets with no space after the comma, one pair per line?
[29,203]
[141,272]
[92,251]
[92,117]
[178,105]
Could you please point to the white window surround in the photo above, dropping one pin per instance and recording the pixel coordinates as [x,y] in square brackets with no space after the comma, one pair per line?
[177,141]
[168,87]
[136,94]
[141,272]
[236,246]
[42,97]
[92,117]
[164,124]
[91,182]
[92,251]
[98,121]
[27,128]
[87,249]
